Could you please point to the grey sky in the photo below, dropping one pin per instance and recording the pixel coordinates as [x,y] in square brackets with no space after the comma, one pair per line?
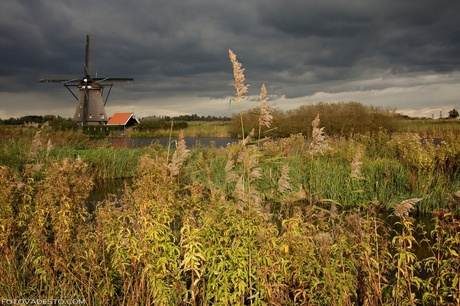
[401,54]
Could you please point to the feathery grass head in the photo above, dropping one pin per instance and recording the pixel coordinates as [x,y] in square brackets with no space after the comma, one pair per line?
[238,74]
[179,155]
[266,117]
[49,147]
[403,208]
[356,164]
[284,180]
[241,89]
[36,146]
[318,144]
[230,173]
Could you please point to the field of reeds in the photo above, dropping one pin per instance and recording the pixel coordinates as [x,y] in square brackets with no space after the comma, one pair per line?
[308,219]
[190,129]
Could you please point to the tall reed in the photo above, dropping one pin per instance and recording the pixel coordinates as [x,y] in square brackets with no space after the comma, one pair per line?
[265,116]
[240,87]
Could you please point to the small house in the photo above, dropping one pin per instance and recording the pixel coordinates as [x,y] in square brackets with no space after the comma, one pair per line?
[123,119]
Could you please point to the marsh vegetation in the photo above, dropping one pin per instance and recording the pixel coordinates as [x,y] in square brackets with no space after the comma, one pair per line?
[308,219]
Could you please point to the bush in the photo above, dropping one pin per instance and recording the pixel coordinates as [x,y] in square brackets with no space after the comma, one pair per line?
[338,119]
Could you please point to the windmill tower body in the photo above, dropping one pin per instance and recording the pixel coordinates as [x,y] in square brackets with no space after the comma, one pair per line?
[90,107]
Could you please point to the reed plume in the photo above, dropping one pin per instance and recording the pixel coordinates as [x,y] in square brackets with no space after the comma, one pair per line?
[284,180]
[36,146]
[241,89]
[240,190]
[230,173]
[49,147]
[179,155]
[356,164]
[266,116]
[238,74]
[255,172]
[318,144]
[403,208]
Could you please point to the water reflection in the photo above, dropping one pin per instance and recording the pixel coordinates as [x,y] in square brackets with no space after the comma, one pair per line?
[102,188]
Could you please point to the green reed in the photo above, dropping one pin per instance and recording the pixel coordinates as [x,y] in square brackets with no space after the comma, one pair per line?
[198,237]
[293,221]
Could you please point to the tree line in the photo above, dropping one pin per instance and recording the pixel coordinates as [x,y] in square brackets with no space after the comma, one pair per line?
[188,118]
[51,120]
[340,118]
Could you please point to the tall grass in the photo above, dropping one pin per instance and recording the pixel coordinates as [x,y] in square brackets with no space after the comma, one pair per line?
[193,129]
[427,128]
[301,220]
[255,224]
[240,87]
[106,163]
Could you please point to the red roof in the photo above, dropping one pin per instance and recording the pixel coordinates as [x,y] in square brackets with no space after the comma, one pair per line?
[121,118]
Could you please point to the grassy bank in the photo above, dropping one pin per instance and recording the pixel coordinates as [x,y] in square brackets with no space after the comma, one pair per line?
[293,221]
[392,166]
[193,129]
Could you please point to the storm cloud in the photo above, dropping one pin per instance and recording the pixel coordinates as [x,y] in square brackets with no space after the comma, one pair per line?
[393,54]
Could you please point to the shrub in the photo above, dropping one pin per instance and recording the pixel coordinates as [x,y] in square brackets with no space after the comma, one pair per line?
[339,119]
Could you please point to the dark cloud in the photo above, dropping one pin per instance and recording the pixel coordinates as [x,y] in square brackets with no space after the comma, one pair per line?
[178,50]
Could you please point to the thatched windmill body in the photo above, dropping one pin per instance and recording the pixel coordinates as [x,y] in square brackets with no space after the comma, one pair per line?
[90,107]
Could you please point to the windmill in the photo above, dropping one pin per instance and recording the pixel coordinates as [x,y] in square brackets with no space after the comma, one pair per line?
[90,108]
